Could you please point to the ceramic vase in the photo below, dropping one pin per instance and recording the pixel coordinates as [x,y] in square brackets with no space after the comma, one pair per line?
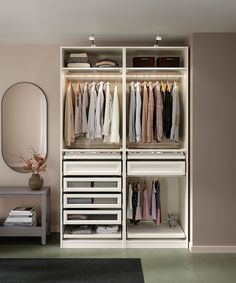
[36,181]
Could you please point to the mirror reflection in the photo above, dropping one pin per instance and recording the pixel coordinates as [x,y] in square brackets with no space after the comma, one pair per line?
[24,123]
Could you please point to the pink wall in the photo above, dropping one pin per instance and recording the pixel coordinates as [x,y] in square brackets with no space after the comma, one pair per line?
[38,64]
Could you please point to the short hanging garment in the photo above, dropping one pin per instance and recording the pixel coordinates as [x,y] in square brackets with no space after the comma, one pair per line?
[91,115]
[99,111]
[138,208]
[107,115]
[134,205]
[69,126]
[158,203]
[145,206]
[150,114]
[129,205]
[153,208]
[174,134]
[78,112]
[144,113]
[85,104]
[159,112]
[138,106]
[132,113]
[115,137]
[167,112]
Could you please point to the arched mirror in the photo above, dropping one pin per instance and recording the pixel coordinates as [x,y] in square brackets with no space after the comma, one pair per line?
[24,123]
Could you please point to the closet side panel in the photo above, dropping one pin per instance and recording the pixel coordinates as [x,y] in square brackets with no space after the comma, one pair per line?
[213,130]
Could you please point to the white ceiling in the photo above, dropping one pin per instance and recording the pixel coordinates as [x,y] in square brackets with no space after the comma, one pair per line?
[112,21]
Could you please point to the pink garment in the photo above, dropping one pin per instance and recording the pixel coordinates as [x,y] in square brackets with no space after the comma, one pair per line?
[145,206]
[150,113]
[144,113]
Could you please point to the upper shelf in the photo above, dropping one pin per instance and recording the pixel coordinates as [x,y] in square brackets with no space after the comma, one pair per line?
[128,69]
[92,69]
[156,69]
[124,56]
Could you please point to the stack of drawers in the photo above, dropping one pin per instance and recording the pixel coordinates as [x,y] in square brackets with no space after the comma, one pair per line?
[99,181]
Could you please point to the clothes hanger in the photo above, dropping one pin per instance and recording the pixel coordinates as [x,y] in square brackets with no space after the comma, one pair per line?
[163,86]
[78,86]
[169,86]
[69,85]
[145,83]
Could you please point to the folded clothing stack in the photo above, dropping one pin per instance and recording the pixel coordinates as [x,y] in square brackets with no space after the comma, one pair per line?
[80,229]
[77,216]
[78,60]
[107,229]
[106,63]
[21,216]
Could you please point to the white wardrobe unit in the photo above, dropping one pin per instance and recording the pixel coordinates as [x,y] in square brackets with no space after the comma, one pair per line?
[95,173]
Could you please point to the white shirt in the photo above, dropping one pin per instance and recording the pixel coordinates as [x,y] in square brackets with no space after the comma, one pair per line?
[108,112]
[174,134]
[115,137]
[99,111]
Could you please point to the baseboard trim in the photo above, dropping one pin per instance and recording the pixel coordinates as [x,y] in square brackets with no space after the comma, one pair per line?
[212,249]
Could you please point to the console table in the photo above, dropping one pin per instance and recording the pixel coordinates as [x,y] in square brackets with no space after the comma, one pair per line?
[38,231]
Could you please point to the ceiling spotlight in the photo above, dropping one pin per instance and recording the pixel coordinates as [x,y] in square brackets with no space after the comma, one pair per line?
[158,38]
[92,40]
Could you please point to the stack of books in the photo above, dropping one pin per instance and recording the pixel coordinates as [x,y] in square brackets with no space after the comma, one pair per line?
[21,216]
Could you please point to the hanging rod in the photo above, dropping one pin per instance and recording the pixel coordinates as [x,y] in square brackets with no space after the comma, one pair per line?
[154,76]
[93,76]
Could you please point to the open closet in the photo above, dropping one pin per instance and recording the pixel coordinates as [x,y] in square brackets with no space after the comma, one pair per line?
[124,147]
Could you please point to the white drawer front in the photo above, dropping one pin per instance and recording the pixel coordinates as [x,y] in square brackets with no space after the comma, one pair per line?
[92,217]
[92,168]
[92,201]
[91,184]
[151,168]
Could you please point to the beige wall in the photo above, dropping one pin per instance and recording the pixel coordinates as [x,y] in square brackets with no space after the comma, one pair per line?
[38,64]
[214,139]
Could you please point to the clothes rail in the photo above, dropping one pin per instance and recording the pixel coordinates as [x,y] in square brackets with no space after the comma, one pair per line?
[93,76]
[154,76]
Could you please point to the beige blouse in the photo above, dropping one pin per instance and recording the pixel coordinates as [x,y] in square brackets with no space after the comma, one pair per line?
[78,111]
[69,127]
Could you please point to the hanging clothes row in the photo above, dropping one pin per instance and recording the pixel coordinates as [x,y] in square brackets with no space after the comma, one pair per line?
[91,112]
[154,112]
[140,207]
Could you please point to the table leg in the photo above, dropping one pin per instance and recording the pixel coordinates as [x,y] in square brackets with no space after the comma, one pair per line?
[49,213]
[43,219]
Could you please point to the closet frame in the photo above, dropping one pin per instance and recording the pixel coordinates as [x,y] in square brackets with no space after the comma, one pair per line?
[125,155]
